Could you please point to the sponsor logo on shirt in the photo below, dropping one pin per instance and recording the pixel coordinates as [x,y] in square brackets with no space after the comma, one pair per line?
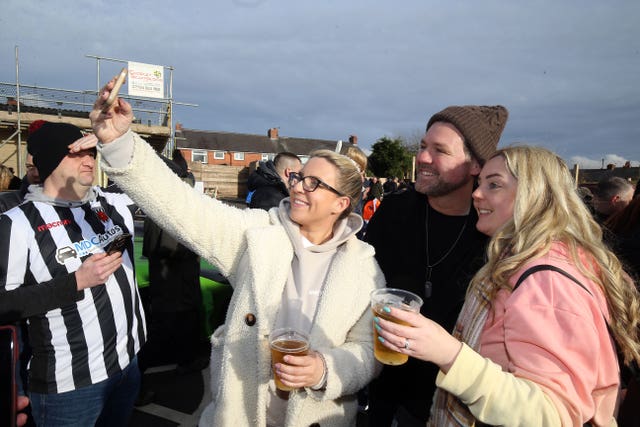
[65,253]
[54,224]
[101,214]
[87,246]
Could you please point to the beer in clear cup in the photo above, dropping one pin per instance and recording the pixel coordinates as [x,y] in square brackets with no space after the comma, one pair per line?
[396,298]
[285,341]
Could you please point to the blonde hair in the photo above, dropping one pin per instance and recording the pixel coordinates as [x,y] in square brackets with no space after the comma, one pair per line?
[549,209]
[358,156]
[349,180]
[5,177]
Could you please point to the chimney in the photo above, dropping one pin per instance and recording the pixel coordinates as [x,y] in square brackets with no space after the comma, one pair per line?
[178,126]
[353,139]
[272,133]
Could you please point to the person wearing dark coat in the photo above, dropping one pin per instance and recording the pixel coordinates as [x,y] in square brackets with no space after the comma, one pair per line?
[390,186]
[15,182]
[269,182]
[174,280]
[376,188]
[175,330]
[9,200]
[176,299]
[12,198]
[426,242]
[179,160]
[622,234]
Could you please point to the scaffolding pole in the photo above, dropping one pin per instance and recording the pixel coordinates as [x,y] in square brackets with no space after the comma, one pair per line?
[19,149]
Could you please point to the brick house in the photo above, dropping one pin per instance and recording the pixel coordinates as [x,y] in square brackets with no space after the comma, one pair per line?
[240,149]
[217,157]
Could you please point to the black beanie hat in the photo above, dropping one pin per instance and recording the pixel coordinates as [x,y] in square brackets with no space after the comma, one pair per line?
[480,125]
[49,145]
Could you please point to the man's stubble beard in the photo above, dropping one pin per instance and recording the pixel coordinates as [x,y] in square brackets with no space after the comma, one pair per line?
[442,188]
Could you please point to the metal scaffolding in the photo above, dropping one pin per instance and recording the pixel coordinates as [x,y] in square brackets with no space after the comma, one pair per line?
[21,99]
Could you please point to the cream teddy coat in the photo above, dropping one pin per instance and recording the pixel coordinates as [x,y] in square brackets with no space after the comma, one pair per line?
[252,249]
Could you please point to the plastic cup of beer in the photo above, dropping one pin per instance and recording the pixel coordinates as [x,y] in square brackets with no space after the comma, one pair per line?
[285,341]
[396,298]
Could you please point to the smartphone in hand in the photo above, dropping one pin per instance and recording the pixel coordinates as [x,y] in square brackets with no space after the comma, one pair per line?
[114,92]
[118,244]
[8,361]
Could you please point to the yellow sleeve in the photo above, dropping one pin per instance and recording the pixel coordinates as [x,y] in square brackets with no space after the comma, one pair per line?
[496,397]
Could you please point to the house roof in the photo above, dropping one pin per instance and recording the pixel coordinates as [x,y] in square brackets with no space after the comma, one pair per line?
[595,175]
[248,143]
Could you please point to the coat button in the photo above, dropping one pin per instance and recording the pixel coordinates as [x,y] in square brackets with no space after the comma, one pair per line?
[250,319]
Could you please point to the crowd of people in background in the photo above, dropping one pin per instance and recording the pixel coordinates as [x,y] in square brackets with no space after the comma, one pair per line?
[531,311]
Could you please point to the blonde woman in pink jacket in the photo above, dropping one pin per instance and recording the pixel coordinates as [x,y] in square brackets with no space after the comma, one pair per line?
[535,343]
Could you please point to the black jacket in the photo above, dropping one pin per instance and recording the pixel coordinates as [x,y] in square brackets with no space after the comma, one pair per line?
[267,186]
[9,199]
[397,231]
[12,198]
[174,271]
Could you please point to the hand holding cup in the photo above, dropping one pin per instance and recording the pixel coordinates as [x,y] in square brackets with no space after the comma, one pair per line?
[402,300]
[412,334]
[294,365]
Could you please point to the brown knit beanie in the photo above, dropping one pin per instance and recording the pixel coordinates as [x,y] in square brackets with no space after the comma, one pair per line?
[480,125]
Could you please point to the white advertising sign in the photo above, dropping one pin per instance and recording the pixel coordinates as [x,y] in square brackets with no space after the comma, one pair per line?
[146,80]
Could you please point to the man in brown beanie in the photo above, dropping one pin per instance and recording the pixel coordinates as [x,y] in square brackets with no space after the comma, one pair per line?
[85,317]
[426,242]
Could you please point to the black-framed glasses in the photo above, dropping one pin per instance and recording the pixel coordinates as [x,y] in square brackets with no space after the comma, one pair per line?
[310,183]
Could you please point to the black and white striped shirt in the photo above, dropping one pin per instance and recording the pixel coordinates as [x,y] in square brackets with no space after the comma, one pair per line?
[95,333]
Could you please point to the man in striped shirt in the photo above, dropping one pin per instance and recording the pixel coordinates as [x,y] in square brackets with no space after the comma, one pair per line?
[85,317]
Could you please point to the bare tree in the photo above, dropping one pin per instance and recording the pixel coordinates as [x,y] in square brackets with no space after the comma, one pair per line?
[411,140]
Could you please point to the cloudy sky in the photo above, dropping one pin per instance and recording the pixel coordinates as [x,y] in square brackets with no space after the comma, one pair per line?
[568,71]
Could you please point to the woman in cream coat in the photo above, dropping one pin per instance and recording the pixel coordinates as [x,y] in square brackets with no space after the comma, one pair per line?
[300,262]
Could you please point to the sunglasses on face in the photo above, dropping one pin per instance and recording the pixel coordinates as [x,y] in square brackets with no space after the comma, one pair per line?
[310,183]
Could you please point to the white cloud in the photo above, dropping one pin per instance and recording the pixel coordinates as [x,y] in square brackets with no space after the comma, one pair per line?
[567,71]
[586,163]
